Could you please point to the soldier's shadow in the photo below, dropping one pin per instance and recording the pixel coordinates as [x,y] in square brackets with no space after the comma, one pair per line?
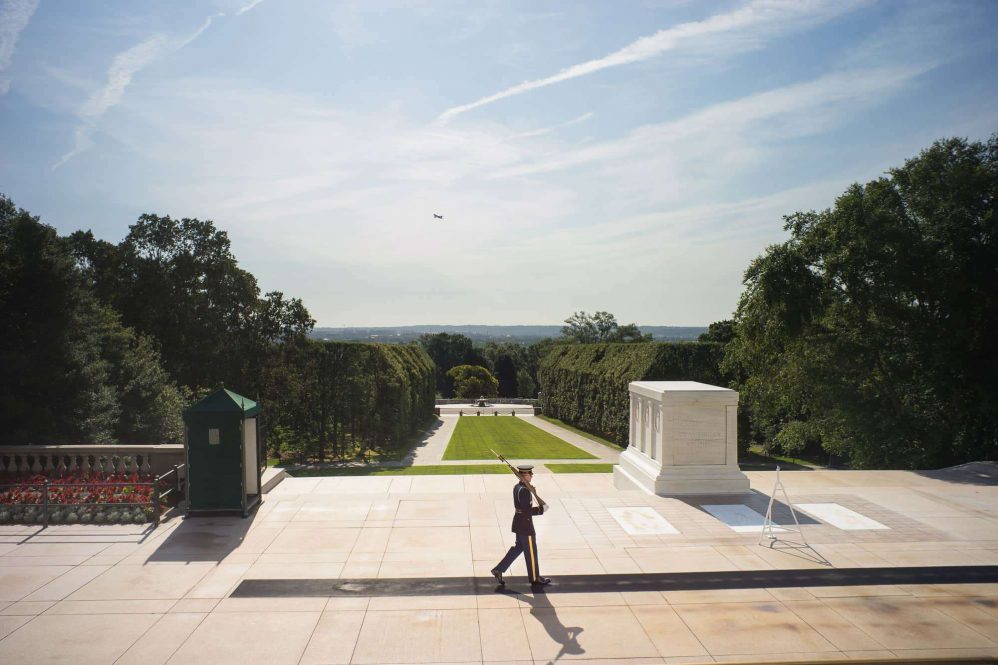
[545,614]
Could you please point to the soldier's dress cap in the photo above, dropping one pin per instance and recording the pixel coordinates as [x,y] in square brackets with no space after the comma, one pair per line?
[523,468]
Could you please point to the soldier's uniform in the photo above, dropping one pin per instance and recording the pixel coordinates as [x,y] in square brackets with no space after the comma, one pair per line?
[526,536]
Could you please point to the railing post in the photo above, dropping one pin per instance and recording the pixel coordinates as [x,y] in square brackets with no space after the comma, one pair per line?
[176,480]
[45,502]
[157,510]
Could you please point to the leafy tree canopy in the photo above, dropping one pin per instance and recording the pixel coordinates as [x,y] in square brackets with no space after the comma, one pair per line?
[870,330]
[473,381]
[178,281]
[721,332]
[583,328]
[70,371]
[448,351]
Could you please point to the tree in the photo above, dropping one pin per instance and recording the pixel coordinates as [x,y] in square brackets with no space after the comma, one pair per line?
[41,387]
[473,381]
[525,384]
[870,331]
[583,328]
[72,372]
[448,351]
[721,332]
[506,359]
[586,329]
[178,282]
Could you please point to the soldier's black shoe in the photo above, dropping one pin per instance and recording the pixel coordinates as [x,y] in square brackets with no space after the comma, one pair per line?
[496,573]
[541,581]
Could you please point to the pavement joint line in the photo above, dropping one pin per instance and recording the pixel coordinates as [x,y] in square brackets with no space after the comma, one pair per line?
[618,582]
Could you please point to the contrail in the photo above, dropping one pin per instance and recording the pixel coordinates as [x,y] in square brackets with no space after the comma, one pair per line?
[760,17]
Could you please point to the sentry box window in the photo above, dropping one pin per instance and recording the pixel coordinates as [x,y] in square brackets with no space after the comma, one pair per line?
[213,436]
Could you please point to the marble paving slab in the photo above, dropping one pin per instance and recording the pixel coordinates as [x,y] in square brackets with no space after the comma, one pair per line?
[641,521]
[840,516]
[739,518]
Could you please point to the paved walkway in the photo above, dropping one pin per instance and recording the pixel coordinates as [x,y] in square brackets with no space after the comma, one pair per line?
[431,449]
[604,453]
[189,592]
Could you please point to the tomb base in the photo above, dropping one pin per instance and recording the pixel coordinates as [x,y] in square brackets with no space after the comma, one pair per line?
[631,474]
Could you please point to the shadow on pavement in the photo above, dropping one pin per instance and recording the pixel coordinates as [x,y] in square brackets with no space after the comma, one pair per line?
[972,473]
[630,582]
[755,500]
[544,612]
[203,539]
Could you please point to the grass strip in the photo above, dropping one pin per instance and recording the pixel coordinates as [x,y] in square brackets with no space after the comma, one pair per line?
[756,460]
[579,468]
[422,470]
[591,437]
[509,436]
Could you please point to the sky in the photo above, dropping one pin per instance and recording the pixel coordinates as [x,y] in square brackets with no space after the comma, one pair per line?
[630,156]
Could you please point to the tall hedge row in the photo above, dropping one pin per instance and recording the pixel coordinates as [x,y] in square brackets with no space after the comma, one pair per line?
[585,385]
[345,400]
[404,392]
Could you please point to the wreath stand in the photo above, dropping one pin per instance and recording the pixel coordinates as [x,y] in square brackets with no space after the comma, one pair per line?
[769,527]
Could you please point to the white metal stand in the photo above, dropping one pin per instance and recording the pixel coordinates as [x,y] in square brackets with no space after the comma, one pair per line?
[768,527]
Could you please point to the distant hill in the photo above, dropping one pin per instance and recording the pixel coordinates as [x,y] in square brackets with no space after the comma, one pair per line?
[523,334]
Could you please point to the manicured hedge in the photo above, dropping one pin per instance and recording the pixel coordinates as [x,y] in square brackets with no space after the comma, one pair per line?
[342,400]
[585,385]
[404,391]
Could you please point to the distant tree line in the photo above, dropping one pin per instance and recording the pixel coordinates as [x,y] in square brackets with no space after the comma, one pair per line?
[480,334]
[515,366]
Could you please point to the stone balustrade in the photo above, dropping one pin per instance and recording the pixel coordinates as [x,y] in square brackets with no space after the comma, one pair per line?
[54,460]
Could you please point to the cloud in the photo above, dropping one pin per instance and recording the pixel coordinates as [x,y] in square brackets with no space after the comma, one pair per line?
[119,75]
[743,29]
[14,17]
[124,66]
[245,8]
[307,189]
[548,130]
[780,114]
[335,205]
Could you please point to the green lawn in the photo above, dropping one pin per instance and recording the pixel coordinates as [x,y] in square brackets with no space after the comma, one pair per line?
[579,468]
[508,436]
[580,432]
[428,470]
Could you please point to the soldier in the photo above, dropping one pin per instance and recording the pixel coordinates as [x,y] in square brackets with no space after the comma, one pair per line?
[523,527]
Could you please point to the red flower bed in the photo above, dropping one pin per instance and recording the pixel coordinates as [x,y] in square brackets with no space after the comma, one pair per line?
[77,499]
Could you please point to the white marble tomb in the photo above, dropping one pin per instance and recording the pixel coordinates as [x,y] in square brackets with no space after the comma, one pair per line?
[684,440]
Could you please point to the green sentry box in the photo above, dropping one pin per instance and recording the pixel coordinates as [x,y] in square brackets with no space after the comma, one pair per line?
[223,455]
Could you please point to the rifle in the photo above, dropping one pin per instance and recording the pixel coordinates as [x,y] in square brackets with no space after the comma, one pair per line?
[526,483]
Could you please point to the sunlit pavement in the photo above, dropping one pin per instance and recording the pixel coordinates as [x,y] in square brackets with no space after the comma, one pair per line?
[176,594]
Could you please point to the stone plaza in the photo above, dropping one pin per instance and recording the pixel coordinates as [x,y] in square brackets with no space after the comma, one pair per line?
[395,569]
